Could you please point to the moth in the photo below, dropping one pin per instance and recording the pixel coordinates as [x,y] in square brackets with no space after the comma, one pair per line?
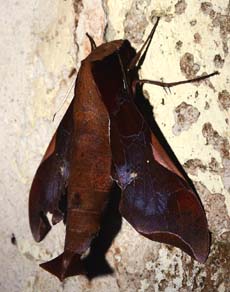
[107,149]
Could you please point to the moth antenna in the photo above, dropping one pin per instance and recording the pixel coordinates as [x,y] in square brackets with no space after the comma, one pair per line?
[65,98]
[138,59]
[92,42]
[126,85]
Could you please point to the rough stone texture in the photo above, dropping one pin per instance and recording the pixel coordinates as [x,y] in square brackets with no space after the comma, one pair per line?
[218,61]
[188,67]
[193,165]
[197,38]
[218,142]
[224,99]
[180,7]
[185,116]
[135,21]
[221,19]
[41,41]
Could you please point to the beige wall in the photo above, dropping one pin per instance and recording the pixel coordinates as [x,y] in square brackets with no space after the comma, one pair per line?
[41,41]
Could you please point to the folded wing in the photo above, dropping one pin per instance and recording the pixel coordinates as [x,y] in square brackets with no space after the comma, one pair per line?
[157,200]
[48,190]
[163,207]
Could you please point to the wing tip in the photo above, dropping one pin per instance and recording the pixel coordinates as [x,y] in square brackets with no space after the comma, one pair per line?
[198,252]
[65,265]
[39,226]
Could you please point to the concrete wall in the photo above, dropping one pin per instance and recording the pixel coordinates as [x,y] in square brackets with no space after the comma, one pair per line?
[41,41]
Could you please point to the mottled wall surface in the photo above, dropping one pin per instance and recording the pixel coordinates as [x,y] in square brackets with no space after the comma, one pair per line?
[41,41]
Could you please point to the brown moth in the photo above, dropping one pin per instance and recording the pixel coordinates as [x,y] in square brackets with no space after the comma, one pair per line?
[105,145]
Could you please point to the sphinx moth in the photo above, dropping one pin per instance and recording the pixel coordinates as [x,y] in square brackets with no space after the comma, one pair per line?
[106,148]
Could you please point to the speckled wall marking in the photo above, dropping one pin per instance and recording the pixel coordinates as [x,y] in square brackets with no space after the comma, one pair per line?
[185,116]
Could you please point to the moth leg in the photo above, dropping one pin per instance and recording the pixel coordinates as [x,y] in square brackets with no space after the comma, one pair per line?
[92,42]
[169,90]
[138,59]
[171,84]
